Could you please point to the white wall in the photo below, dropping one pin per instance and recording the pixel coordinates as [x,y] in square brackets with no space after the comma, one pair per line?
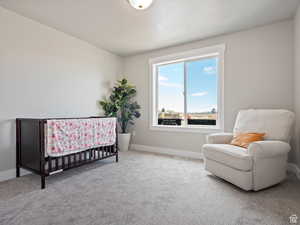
[295,157]
[258,74]
[46,73]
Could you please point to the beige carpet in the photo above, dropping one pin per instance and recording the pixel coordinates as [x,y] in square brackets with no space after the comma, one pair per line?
[143,189]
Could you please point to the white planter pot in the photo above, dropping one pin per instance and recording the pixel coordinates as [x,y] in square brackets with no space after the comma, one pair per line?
[123,141]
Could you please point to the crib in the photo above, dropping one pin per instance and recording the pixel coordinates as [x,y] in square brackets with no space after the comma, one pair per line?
[32,148]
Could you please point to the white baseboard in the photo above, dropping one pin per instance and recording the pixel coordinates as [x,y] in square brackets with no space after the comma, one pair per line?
[167,151]
[10,174]
[293,168]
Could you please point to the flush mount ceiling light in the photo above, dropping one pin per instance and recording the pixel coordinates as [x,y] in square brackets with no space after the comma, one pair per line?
[140,4]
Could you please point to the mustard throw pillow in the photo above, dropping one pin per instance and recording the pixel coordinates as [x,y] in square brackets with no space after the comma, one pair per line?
[245,139]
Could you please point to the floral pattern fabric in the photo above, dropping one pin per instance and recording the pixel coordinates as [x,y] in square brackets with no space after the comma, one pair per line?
[73,135]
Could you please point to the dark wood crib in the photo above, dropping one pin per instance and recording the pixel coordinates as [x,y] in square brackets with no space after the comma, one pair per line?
[30,150]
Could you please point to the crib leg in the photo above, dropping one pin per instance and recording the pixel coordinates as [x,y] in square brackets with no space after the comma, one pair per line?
[43,182]
[17,171]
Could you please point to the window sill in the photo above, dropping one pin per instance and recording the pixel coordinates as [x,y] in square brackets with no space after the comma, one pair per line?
[196,129]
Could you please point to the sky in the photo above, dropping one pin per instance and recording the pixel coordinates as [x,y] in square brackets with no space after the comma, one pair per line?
[201,86]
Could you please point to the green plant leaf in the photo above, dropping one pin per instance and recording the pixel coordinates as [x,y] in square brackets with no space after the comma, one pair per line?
[120,104]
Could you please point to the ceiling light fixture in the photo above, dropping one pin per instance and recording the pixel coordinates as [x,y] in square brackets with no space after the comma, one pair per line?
[140,4]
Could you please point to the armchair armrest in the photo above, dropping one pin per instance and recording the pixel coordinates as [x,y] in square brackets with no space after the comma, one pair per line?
[219,138]
[268,149]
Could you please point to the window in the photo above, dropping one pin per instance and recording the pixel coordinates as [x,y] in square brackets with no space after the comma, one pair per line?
[187,90]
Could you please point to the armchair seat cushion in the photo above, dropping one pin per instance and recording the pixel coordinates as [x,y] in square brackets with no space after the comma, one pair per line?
[229,155]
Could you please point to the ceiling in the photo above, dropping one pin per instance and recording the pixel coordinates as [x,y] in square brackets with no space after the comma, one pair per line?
[118,28]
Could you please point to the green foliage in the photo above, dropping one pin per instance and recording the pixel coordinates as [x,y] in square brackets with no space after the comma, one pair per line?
[120,104]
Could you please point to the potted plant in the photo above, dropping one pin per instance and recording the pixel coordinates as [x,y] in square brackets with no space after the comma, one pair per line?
[121,104]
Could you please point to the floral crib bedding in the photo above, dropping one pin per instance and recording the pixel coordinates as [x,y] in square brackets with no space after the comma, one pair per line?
[67,136]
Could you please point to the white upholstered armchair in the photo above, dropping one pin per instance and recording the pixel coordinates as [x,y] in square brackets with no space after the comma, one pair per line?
[263,163]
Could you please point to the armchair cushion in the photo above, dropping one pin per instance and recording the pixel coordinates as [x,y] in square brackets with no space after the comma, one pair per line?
[219,138]
[229,155]
[245,139]
[268,149]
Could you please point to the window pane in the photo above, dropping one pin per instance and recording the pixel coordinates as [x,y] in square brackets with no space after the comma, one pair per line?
[202,91]
[170,94]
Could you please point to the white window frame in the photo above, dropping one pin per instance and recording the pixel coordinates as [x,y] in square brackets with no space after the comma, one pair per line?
[195,54]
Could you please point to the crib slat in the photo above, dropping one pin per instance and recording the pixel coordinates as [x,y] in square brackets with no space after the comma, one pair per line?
[79,157]
[69,161]
[84,156]
[56,163]
[50,164]
[63,162]
[75,158]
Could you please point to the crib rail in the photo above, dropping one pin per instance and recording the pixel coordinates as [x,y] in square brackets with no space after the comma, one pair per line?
[58,164]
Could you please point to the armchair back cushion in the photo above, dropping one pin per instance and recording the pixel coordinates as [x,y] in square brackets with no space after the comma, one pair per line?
[275,123]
